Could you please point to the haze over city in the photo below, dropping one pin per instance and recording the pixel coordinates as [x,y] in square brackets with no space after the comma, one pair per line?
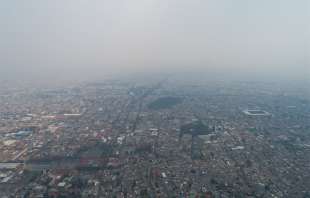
[155,99]
[84,40]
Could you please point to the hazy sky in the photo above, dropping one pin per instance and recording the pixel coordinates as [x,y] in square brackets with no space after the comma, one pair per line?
[50,39]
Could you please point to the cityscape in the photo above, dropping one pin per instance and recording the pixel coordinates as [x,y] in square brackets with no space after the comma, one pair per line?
[163,138]
[155,99]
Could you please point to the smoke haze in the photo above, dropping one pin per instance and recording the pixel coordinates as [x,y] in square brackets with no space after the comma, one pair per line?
[83,40]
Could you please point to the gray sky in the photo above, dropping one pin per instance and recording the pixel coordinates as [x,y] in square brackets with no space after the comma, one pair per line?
[50,39]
